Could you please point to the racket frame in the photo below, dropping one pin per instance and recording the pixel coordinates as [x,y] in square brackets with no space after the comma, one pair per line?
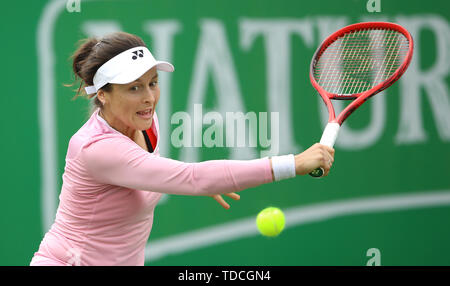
[331,130]
[359,98]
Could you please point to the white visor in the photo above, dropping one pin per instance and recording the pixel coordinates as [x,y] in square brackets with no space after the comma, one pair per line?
[126,67]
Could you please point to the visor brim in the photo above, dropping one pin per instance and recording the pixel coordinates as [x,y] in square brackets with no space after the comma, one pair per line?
[136,72]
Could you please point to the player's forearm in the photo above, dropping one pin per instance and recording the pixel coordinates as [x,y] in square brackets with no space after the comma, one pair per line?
[224,176]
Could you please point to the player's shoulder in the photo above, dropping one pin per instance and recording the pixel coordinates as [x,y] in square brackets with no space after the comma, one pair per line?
[93,130]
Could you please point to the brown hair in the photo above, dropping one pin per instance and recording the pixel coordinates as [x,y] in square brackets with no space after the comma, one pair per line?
[93,53]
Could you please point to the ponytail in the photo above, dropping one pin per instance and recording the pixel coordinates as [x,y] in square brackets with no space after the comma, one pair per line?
[81,69]
[92,53]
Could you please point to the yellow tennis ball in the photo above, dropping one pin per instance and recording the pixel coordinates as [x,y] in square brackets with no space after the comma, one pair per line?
[270,221]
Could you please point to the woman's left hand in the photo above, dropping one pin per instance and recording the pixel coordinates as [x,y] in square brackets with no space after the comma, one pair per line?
[222,202]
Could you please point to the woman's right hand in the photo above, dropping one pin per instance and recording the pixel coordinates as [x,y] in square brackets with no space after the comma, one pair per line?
[316,156]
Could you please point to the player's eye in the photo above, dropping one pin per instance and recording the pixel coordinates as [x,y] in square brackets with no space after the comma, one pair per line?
[134,88]
[153,83]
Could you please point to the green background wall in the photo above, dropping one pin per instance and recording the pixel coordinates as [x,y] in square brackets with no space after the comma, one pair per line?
[389,188]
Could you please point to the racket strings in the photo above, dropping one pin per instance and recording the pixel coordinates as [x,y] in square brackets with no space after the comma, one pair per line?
[359,60]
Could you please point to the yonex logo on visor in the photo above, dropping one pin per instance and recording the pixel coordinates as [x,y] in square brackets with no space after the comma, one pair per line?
[139,53]
[123,69]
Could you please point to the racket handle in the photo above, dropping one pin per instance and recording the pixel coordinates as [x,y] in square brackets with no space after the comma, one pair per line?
[329,136]
[317,173]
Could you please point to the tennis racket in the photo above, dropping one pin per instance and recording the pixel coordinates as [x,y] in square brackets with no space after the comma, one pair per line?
[355,63]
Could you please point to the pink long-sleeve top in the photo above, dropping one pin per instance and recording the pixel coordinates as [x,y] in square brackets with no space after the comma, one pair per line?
[111,187]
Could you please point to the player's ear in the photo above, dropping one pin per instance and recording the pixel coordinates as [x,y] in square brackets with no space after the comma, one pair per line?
[101,96]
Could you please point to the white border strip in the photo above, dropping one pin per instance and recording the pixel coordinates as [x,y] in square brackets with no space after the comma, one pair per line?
[46,111]
[295,216]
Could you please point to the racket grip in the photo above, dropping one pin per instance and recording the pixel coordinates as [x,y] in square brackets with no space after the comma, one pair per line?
[329,136]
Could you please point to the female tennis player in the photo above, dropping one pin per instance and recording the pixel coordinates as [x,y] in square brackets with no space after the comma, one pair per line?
[114,175]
